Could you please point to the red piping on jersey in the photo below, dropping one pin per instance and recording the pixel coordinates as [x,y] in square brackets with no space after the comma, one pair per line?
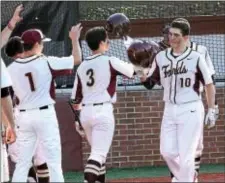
[54,74]
[156,74]
[79,95]
[198,78]
[112,83]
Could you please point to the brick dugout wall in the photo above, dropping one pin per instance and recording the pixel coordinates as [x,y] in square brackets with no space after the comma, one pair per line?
[136,141]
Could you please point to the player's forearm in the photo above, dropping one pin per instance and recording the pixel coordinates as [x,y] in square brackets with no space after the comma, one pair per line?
[7,31]
[214,83]
[148,84]
[4,119]
[7,109]
[76,52]
[5,34]
[210,95]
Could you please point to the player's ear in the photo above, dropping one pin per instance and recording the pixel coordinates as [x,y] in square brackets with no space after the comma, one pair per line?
[19,55]
[102,44]
[186,37]
[36,45]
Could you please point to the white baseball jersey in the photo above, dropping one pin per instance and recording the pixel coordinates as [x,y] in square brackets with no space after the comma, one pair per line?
[5,78]
[204,52]
[95,80]
[32,79]
[180,76]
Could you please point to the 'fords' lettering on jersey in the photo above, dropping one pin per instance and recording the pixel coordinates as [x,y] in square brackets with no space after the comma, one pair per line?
[168,71]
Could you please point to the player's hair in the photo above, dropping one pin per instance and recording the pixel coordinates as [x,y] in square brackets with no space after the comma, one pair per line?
[95,36]
[28,47]
[14,46]
[182,24]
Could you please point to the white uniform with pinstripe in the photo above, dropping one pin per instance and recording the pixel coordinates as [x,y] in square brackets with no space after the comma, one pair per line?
[95,88]
[205,54]
[33,84]
[181,77]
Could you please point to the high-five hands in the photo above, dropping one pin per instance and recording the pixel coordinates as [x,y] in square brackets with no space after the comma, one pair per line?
[75,31]
[16,18]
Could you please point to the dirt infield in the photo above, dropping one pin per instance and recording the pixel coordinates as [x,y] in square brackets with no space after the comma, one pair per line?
[214,177]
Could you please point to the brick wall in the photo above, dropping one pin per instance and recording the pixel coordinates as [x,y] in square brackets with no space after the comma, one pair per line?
[136,141]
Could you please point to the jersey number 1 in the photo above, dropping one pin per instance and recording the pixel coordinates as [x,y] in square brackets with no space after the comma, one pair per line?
[31,81]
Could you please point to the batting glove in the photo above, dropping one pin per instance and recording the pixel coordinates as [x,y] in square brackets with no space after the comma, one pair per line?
[216,112]
[210,119]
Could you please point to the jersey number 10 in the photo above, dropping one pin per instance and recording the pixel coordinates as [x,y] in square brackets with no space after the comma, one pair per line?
[31,81]
[185,82]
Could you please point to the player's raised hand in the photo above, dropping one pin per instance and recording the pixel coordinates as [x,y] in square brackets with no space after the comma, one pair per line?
[10,135]
[17,15]
[75,31]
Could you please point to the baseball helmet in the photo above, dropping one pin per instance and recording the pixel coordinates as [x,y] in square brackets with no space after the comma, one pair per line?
[118,25]
[142,53]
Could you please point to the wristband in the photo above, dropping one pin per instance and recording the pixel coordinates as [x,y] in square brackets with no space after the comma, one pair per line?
[10,26]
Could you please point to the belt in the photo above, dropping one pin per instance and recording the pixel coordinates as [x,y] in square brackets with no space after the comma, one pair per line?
[93,104]
[41,108]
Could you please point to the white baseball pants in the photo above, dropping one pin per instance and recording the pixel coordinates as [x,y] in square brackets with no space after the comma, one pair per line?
[42,125]
[38,159]
[181,130]
[98,123]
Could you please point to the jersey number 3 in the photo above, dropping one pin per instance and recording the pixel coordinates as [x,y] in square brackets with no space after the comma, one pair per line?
[31,81]
[90,73]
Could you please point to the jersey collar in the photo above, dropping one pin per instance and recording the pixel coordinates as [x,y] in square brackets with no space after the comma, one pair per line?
[27,59]
[180,57]
[94,56]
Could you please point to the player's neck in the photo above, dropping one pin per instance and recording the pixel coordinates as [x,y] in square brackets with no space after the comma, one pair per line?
[96,52]
[188,43]
[179,50]
[30,53]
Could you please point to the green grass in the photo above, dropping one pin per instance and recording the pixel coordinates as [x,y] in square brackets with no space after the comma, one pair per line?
[118,173]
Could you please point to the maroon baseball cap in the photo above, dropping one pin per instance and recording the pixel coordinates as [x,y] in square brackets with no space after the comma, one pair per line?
[32,36]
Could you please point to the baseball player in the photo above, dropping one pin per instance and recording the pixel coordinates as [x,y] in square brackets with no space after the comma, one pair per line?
[39,170]
[204,52]
[32,78]
[6,102]
[165,33]
[7,120]
[181,71]
[95,89]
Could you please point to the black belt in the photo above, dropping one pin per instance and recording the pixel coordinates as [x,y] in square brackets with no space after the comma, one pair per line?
[93,104]
[41,108]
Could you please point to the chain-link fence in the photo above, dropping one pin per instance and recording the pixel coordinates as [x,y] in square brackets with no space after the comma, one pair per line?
[98,10]
[55,19]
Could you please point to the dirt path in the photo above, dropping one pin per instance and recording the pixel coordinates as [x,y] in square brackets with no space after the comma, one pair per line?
[215,177]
